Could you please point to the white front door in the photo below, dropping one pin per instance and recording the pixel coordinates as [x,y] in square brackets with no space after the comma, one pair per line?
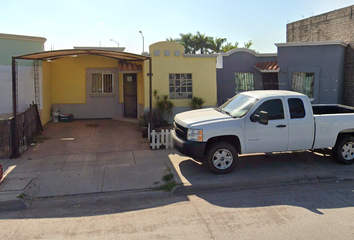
[272,137]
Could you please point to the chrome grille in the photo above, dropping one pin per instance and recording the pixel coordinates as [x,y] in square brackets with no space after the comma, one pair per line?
[180,131]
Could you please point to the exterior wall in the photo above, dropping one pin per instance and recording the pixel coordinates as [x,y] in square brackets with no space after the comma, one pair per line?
[202,68]
[13,45]
[95,106]
[71,87]
[239,60]
[326,61]
[337,25]
[69,77]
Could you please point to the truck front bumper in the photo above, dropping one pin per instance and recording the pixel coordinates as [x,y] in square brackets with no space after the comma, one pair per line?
[191,149]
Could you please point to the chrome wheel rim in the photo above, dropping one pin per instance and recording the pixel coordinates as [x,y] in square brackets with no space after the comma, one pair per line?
[222,159]
[348,151]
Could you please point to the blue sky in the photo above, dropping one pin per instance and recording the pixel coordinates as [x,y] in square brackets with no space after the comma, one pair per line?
[68,23]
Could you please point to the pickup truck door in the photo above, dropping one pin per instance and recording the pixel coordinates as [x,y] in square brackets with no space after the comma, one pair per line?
[272,137]
[301,123]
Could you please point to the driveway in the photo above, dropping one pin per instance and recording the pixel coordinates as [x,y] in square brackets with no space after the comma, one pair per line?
[84,156]
[88,136]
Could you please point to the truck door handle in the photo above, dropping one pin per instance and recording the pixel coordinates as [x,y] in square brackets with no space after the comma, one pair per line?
[281,126]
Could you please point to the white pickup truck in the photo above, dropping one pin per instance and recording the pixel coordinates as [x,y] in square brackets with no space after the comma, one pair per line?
[263,121]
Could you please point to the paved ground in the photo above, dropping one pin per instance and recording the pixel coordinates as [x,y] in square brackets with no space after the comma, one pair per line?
[88,136]
[313,211]
[105,155]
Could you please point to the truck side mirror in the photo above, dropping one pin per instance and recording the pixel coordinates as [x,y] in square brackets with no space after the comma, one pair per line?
[263,118]
[254,117]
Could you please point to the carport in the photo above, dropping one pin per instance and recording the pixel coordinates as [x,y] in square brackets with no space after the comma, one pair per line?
[53,55]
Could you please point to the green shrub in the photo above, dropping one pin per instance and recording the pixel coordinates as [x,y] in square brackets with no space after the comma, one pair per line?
[163,110]
[197,103]
[160,114]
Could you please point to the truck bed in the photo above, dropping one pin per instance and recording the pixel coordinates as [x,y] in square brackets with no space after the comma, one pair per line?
[324,109]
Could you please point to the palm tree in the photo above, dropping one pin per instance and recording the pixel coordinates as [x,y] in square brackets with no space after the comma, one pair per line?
[248,44]
[187,41]
[217,44]
[202,43]
[205,44]
[229,46]
[171,39]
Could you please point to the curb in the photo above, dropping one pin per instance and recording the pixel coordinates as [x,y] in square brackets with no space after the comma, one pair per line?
[9,201]
[184,189]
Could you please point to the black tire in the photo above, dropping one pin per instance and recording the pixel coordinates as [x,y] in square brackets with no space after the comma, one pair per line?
[343,151]
[221,157]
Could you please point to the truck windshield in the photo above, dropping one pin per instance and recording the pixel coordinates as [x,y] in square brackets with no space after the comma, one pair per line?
[238,106]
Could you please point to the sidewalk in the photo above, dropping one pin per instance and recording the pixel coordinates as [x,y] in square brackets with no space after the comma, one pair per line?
[85,173]
[71,174]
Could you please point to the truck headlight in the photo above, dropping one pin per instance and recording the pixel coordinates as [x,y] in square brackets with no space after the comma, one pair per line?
[195,135]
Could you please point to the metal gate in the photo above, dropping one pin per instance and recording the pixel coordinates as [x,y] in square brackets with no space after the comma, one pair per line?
[130,95]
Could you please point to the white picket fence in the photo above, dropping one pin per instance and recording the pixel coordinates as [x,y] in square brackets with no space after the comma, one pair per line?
[159,139]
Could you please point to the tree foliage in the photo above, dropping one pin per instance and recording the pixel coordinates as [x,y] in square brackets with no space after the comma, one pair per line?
[229,46]
[200,43]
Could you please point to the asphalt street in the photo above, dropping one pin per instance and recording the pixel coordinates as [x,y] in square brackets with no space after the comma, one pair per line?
[300,211]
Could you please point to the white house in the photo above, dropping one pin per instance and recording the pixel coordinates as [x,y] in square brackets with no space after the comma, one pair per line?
[29,72]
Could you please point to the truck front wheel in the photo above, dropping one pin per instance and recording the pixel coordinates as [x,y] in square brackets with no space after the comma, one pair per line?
[221,157]
[343,151]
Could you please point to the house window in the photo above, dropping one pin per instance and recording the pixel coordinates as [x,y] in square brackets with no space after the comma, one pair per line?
[302,82]
[102,83]
[244,82]
[180,85]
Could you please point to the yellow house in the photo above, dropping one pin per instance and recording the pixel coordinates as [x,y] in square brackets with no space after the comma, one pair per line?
[92,86]
[181,76]
[109,83]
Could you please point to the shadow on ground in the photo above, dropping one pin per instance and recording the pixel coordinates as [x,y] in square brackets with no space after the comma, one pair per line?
[260,180]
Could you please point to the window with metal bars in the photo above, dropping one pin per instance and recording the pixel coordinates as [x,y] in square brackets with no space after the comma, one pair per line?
[303,82]
[180,86]
[244,81]
[102,83]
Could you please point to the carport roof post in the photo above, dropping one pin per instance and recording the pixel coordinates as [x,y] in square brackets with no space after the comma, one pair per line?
[15,136]
[52,55]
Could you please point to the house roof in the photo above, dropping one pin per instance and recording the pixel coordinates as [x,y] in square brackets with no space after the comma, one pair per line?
[52,55]
[269,67]
[250,51]
[320,43]
[22,37]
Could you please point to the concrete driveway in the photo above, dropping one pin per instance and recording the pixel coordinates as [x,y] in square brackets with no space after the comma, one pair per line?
[84,156]
[88,136]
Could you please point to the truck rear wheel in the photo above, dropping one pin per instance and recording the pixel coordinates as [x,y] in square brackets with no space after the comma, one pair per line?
[221,157]
[343,151]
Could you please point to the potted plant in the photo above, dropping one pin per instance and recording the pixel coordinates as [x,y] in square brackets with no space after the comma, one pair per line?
[143,124]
